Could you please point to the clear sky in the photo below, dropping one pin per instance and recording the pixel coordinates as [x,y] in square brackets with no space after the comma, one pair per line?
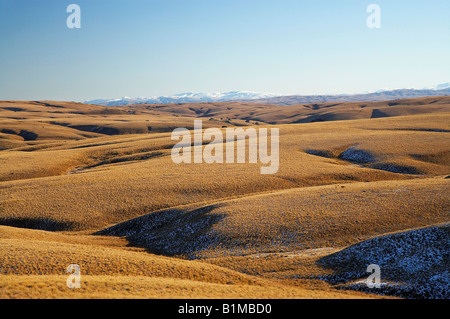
[150,48]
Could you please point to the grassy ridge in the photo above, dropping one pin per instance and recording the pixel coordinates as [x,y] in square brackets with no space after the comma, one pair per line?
[71,173]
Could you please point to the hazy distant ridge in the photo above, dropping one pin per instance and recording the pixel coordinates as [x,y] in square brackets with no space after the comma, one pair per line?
[272,98]
[186,98]
[377,96]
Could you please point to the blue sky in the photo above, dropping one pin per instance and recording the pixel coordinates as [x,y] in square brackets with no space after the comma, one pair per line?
[150,48]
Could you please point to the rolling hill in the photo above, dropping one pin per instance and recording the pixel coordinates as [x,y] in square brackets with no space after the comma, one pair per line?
[96,186]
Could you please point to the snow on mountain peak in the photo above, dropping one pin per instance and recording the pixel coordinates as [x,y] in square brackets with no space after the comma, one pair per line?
[186,97]
[191,97]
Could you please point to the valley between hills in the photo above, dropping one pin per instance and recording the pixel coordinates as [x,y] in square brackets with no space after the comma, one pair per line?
[358,183]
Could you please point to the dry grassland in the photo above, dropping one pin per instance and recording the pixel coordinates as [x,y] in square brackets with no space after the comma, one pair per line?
[96,186]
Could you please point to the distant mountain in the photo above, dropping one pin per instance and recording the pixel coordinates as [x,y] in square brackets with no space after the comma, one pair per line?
[188,97]
[271,98]
[442,86]
[367,97]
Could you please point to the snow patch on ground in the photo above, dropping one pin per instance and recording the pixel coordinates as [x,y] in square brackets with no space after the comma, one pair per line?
[170,232]
[414,264]
[355,155]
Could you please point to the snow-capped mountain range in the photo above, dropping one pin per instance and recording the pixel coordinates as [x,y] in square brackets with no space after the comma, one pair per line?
[186,98]
[190,97]
[435,87]
[440,86]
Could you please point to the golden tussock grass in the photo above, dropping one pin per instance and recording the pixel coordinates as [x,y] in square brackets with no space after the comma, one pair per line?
[120,287]
[362,170]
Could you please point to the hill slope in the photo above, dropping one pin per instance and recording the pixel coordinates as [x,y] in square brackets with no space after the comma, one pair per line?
[413,263]
[72,173]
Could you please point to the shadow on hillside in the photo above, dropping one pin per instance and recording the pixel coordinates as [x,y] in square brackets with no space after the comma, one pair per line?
[171,232]
[37,223]
[413,264]
[367,159]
